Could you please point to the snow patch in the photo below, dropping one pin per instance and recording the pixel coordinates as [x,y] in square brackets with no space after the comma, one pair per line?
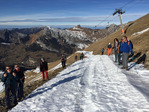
[76,28]
[5,43]
[82,46]
[37,70]
[27,71]
[1,73]
[1,83]
[141,32]
[1,87]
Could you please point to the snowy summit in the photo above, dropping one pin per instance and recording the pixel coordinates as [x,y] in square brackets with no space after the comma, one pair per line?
[92,85]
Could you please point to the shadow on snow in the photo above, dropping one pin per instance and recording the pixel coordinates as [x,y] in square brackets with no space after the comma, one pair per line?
[138,83]
[71,71]
[44,89]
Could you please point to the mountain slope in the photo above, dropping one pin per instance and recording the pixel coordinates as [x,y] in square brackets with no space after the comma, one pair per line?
[136,31]
[90,85]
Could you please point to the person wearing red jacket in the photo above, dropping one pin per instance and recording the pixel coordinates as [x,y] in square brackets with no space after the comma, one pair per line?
[44,68]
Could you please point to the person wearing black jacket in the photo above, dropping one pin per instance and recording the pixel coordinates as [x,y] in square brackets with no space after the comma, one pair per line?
[44,68]
[20,82]
[10,80]
[63,60]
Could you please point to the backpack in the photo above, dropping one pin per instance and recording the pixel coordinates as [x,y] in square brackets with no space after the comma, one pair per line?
[129,42]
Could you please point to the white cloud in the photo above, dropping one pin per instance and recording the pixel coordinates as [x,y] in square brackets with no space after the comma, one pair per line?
[51,18]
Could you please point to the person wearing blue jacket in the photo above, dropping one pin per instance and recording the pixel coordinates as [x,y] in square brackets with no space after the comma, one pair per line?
[10,80]
[126,47]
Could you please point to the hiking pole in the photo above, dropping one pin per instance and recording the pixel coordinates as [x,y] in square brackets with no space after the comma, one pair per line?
[118,61]
[117,67]
[134,65]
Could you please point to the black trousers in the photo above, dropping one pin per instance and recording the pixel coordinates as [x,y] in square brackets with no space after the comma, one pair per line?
[19,89]
[63,63]
[8,89]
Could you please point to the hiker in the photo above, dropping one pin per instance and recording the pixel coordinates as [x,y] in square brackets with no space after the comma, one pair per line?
[76,58]
[63,60]
[109,48]
[120,51]
[44,68]
[20,82]
[126,48]
[10,80]
[116,45]
[81,56]
[102,51]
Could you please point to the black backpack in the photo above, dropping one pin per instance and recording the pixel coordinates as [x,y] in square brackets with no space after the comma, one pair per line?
[130,43]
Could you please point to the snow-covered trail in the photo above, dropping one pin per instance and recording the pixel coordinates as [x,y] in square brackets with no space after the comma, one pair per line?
[91,85]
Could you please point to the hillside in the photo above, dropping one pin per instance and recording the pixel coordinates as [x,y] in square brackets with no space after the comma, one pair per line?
[136,31]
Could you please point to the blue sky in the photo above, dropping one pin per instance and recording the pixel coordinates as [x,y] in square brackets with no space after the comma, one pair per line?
[69,12]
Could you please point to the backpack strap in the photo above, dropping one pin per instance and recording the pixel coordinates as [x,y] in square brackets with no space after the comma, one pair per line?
[128,42]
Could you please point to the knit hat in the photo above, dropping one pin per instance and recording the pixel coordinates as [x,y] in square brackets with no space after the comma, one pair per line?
[42,59]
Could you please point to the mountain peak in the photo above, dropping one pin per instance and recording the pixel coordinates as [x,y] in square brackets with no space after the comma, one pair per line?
[78,27]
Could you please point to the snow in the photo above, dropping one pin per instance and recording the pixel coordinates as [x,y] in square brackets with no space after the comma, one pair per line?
[1,87]
[37,70]
[1,83]
[141,32]
[5,43]
[27,71]
[71,37]
[95,84]
[49,27]
[76,28]
[82,46]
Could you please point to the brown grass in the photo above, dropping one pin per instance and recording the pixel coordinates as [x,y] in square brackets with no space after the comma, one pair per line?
[34,37]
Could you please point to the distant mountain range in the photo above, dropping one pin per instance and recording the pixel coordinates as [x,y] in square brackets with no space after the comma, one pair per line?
[26,46]
[53,26]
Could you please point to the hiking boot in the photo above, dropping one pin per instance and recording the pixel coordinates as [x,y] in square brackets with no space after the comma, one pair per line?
[21,99]
[127,68]
[123,68]
[8,107]
[15,103]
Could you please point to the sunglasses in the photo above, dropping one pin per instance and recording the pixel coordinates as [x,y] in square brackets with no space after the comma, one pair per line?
[7,68]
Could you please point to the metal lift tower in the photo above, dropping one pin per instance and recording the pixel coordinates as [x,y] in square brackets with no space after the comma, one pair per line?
[120,12]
